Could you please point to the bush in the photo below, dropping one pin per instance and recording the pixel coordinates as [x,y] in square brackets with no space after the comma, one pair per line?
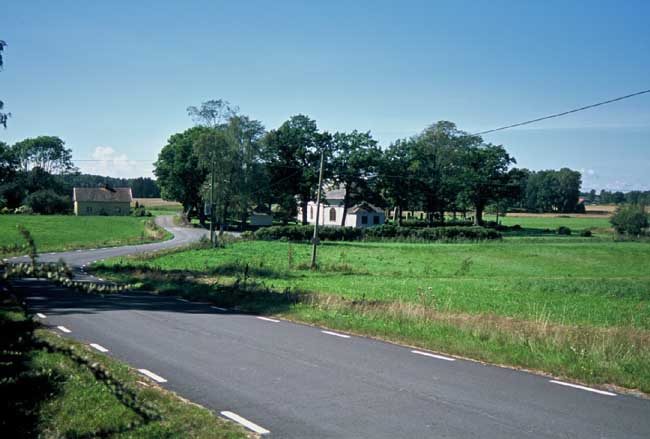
[586,233]
[305,233]
[13,193]
[48,202]
[454,233]
[140,211]
[630,219]
[383,232]
[563,231]
[425,223]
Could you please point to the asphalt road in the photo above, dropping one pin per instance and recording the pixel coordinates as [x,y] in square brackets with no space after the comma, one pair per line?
[300,382]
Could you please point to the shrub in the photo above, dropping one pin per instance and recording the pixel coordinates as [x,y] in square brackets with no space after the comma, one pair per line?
[48,202]
[586,233]
[383,232]
[563,231]
[630,219]
[454,233]
[13,193]
[425,223]
[305,233]
[140,211]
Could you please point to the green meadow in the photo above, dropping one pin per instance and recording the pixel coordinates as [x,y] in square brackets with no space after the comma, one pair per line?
[66,232]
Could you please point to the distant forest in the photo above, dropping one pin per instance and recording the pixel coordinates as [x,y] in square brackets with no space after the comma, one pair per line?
[142,187]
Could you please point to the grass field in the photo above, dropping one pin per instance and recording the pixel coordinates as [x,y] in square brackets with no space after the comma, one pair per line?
[574,307]
[47,392]
[541,222]
[66,232]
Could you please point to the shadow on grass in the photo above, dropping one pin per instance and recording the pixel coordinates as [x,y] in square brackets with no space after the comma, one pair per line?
[234,269]
[23,388]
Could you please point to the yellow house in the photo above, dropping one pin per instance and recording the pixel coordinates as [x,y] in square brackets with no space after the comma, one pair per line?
[102,201]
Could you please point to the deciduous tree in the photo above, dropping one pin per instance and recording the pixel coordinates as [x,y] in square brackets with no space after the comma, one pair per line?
[356,159]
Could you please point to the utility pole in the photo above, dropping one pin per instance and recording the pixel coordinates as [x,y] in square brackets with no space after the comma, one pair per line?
[213,237]
[315,240]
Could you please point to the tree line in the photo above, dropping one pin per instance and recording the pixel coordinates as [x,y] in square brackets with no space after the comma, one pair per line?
[617,197]
[39,173]
[442,169]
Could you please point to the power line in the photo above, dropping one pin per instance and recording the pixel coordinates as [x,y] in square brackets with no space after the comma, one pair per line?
[564,113]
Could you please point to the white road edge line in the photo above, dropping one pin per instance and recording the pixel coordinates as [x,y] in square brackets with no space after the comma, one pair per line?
[245,422]
[181,300]
[336,334]
[439,357]
[152,375]
[99,347]
[218,308]
[40,315]
[268,319]
[577,386]
[64,329]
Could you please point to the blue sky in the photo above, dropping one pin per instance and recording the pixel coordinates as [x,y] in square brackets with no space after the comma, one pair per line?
[113,79]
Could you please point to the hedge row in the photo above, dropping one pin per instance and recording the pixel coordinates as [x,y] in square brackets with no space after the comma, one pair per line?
[384,232]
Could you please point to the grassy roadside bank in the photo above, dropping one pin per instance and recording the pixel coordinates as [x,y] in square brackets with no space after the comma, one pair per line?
[574,309]
[54,387]
[55,233]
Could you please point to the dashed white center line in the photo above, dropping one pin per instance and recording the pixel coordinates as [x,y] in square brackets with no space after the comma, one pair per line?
[268,319]
[181,300]
[588,389]
[245,422]
[40,315]
[152,375]
[99,347]
[336,334]
[64,329]
[218,308]
[439,357]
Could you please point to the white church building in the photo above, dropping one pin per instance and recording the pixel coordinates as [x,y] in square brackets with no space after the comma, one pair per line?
[331,212]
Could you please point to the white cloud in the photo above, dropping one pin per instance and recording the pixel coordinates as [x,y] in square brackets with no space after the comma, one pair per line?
[108,162]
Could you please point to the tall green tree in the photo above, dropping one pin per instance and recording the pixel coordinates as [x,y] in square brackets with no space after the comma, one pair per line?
[396,179]
[554,191]
[435,154]
[356,159]
[249,175]
[178,172]
[292,154]
[46,152]
[483,175]
[213,113]
[217,153]
[8,163]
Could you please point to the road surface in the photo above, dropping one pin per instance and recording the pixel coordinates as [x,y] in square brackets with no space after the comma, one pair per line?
[300,381]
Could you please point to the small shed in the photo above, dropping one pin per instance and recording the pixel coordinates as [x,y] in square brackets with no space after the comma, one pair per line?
[104,200]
